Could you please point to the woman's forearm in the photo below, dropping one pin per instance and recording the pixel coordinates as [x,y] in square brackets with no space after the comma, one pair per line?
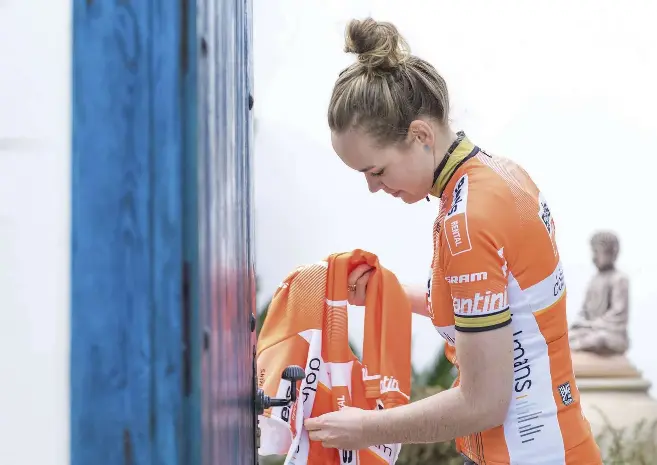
[480,401]
[417,295]
[438,418]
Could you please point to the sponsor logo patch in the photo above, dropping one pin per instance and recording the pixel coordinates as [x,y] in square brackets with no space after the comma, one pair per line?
[566,393]
[456,222]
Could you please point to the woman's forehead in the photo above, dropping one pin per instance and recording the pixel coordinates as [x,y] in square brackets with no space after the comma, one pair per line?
[358,150]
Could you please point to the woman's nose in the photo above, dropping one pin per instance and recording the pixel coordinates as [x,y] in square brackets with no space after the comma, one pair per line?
[373,183]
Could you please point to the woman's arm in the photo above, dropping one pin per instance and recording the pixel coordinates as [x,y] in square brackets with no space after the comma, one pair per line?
[418,298]
[480,401]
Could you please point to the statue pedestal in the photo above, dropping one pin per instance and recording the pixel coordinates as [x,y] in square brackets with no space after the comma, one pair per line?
[615,400]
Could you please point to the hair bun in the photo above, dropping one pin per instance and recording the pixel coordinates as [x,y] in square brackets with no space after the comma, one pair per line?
[377,44]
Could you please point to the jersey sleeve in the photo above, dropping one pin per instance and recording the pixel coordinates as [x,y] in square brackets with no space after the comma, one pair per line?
[475,266]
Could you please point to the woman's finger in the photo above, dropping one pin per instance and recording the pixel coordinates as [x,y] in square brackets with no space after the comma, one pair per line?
[361,288]
[357,284]
[358,272]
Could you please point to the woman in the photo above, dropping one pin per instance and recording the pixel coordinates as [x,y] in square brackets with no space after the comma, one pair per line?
[496,292]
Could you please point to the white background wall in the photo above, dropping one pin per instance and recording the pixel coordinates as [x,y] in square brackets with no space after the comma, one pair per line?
[34,231]
[566,88]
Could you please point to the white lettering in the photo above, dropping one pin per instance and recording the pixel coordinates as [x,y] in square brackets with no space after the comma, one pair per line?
[387,384]
[456,233]
[390,384]
[505,268]
[488,302]
[467,278]
[366,375]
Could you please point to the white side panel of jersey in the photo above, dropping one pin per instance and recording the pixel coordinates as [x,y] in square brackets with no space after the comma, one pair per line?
[531,428]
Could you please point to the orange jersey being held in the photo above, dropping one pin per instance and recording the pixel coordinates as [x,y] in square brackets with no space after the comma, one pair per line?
[306,325]
[496,263]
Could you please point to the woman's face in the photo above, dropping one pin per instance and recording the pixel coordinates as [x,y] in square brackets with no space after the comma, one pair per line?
[402,170]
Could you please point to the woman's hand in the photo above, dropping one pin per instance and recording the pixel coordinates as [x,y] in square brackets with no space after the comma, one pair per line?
[342,429]
[359,277]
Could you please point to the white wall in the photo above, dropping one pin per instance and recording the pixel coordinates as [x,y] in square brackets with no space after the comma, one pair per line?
[34,231]
[573,79]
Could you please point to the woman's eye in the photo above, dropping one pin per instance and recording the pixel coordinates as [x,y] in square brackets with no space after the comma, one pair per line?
[378,173]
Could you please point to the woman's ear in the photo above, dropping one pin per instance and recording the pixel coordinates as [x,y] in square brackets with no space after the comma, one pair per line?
[422,132]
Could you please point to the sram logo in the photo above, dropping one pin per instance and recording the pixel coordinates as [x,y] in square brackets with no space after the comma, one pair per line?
[488,302]
[467,278]
[456,222]
[459,197]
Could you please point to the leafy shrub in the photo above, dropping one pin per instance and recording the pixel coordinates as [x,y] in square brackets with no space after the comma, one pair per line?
[628,446]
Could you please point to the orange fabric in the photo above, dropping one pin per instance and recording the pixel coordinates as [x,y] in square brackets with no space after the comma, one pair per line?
[496,263]
[307,326]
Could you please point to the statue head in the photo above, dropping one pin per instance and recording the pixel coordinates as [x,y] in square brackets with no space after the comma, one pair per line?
[605,246]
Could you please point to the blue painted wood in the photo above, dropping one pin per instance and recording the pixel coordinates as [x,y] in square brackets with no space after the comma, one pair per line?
[127,234]
[225,231]
[167,112]
[192,336]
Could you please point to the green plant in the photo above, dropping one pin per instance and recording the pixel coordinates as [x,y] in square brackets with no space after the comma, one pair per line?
[272,460]
[628,446]
[443,453]
[440,373]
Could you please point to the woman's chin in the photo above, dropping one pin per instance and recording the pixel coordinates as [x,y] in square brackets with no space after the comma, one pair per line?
[408,198]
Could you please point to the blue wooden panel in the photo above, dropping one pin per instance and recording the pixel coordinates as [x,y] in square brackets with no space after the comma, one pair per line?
[167,111]
[192,340]
[127,233]
[226,279]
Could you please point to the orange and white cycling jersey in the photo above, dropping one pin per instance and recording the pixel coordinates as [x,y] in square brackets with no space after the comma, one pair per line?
[496,263]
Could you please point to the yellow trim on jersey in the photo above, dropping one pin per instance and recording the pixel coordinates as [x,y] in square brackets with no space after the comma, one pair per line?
[462,150]
[552,305]
[474,322]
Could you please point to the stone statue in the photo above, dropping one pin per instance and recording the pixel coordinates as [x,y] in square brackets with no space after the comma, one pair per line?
[601,326]
[612,390]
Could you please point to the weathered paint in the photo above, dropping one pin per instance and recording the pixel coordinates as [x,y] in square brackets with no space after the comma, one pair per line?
[226,275]
[126,364]
[162,244]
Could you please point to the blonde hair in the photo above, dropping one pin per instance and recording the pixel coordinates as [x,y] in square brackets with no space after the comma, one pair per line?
[387,87]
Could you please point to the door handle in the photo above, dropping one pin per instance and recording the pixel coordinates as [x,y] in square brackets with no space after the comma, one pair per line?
[262,402]
[293,374]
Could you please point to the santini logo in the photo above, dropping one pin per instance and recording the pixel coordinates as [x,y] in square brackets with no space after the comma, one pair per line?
[488,302]
[467,278]
[386,383]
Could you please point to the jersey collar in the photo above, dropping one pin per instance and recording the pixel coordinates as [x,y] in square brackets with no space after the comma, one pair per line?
[458,153]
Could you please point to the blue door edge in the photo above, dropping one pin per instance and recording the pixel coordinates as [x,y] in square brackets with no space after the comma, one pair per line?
[192,339]
[134,338]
